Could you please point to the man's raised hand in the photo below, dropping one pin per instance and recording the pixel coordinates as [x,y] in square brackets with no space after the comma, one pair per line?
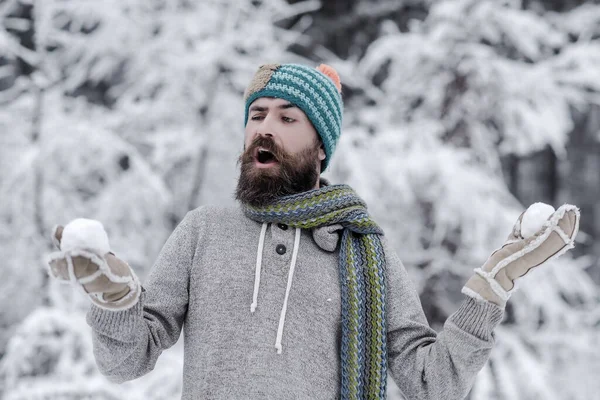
[85,261]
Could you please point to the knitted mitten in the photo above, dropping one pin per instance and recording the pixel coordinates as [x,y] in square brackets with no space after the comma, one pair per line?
[109,281]
[497,279]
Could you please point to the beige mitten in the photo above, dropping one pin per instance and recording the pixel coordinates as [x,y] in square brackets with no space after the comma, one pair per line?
[109,281]
[497,279]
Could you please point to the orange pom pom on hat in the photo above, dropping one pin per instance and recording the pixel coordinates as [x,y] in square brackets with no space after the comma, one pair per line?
[316,91]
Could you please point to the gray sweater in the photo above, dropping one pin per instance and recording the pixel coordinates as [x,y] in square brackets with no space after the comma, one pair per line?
[204,282]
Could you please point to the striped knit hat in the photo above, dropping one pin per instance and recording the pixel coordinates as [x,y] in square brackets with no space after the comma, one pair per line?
[316,91]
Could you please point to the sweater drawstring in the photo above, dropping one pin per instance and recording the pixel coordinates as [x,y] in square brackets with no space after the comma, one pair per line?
[287,292]
[261,243]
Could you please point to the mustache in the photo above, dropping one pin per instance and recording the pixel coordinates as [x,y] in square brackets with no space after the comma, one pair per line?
[267,143]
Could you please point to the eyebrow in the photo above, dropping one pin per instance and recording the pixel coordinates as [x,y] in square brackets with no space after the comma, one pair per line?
[281,107]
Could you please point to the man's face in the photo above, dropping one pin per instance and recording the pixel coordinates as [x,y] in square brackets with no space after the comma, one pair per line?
[282,153]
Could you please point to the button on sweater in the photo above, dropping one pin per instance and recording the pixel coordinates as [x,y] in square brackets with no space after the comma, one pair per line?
[260,323]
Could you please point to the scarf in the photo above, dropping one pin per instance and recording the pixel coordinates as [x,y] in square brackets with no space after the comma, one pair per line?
[362,278]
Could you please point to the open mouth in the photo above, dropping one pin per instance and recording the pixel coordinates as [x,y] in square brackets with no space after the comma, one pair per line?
[264,156]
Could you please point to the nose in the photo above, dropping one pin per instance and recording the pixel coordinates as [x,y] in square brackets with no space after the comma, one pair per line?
[265,128]
[261,133]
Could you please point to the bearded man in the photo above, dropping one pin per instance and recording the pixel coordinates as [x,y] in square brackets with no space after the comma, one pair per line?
[295,292]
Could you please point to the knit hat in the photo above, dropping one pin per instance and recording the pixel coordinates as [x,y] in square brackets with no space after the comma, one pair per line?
[316,91]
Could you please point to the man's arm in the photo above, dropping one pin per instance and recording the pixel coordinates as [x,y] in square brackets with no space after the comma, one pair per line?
[128,343]
[424,364]
[427,365]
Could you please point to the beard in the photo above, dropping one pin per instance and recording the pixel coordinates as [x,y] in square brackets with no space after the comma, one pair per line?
[293,173]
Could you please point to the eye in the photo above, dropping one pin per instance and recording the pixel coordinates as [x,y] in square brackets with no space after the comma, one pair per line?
[287,119]
[256,117]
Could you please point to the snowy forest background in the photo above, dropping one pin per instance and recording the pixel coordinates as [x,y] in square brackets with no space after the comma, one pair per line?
[459,115]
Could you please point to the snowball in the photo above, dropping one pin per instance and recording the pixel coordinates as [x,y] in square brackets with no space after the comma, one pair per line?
[85,234]
[534,218]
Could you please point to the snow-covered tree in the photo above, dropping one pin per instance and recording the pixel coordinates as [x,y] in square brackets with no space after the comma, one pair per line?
[131,114]
[50,357]
[473,82]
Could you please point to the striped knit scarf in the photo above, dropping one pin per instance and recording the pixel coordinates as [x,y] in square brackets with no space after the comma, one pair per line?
[362,278]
